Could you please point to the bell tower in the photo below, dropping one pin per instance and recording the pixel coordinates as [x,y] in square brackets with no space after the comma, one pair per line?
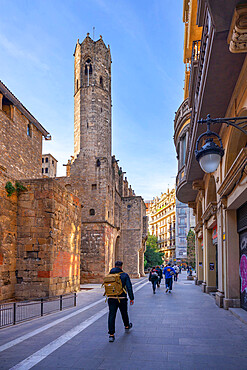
[92,99]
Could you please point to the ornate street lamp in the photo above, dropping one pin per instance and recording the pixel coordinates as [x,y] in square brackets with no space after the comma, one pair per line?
[210,154]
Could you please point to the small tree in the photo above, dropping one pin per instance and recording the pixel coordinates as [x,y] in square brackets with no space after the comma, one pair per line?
[152,256]
[191,253]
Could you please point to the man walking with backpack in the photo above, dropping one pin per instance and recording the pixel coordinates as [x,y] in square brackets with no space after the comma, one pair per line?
[169,272]
[154,278]
[116,291]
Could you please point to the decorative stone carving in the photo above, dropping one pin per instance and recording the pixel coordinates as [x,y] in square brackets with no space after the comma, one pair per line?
[198,185]
[237,37]
[210,211]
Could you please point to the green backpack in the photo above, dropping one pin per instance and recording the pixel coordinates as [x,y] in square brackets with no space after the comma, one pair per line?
[113,285]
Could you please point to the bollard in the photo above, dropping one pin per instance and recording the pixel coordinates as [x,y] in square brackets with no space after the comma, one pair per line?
[14,313]
[42,306]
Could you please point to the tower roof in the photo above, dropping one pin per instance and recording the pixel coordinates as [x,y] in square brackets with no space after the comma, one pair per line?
[88,39]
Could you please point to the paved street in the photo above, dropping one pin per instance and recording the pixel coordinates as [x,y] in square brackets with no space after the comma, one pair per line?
[182,330]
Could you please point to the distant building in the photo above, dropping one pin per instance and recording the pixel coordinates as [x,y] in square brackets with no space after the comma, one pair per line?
[148,204]
[49,165]
[162,218]
[184,222]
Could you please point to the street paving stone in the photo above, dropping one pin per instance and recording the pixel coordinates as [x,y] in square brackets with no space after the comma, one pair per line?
[182,330]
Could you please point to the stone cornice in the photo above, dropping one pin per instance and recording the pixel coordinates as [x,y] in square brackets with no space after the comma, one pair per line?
[198,227]
[210,211]
[237,38]
[233,174]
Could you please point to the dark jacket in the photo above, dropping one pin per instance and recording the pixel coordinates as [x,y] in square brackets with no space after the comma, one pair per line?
[153,277]
[125,281]
[159,271]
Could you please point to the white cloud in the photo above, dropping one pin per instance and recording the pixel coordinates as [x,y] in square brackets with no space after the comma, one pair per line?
[15,51]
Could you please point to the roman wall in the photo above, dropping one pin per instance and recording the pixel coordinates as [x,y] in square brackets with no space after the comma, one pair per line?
[8,239]
[48,232]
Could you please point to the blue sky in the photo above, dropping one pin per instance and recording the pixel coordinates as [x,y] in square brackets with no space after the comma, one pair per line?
[37,41]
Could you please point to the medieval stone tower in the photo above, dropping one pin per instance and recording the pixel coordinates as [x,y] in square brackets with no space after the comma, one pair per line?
[112,216]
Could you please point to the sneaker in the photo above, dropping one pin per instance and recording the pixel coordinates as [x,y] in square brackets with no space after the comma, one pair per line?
[111,338]
[129,327]
[154,292]
[167,290]
[170,291]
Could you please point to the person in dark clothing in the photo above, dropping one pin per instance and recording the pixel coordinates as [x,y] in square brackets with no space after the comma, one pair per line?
[121,302]
[154,278]
[159,271]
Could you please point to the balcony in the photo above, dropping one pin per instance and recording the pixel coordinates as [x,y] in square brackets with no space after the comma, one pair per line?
[182,115]
[196,49]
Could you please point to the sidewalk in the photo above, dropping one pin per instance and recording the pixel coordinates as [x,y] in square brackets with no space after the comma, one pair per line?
[182,330]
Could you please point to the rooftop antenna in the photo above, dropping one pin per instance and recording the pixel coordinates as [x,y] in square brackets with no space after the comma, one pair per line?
[93,32]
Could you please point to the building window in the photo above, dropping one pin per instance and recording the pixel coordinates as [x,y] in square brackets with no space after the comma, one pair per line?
[42,160]
[183,149]
[53,162]
[46,170]
[94,186]
[46,160]
[29,133]
[98,163]
[92,212]
[101,81]
[42,170]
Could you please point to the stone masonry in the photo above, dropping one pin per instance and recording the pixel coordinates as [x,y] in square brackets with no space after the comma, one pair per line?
[8,240]
[58,232]
[113,218]
[48,233]
[40,226]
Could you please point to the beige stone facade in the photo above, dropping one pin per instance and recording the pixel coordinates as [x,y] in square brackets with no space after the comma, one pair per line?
[49,165]
[162,221]
[216,85]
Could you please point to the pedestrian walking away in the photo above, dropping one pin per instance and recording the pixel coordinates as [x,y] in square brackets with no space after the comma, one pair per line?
[160,275]
[118,301]
[176,268]
[154,278]
[169,272]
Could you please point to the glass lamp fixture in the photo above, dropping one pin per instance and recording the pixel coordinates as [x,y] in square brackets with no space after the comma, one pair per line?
[210,154]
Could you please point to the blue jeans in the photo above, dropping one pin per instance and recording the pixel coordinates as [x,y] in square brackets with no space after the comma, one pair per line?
[169,283]
[154,283]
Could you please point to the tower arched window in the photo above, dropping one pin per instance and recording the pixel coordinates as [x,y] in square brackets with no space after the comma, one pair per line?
[88,67]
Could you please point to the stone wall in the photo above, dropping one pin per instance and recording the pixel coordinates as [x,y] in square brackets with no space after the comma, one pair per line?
[20,154]
[49,231]
[97,251]
[8,240]
[133,234]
